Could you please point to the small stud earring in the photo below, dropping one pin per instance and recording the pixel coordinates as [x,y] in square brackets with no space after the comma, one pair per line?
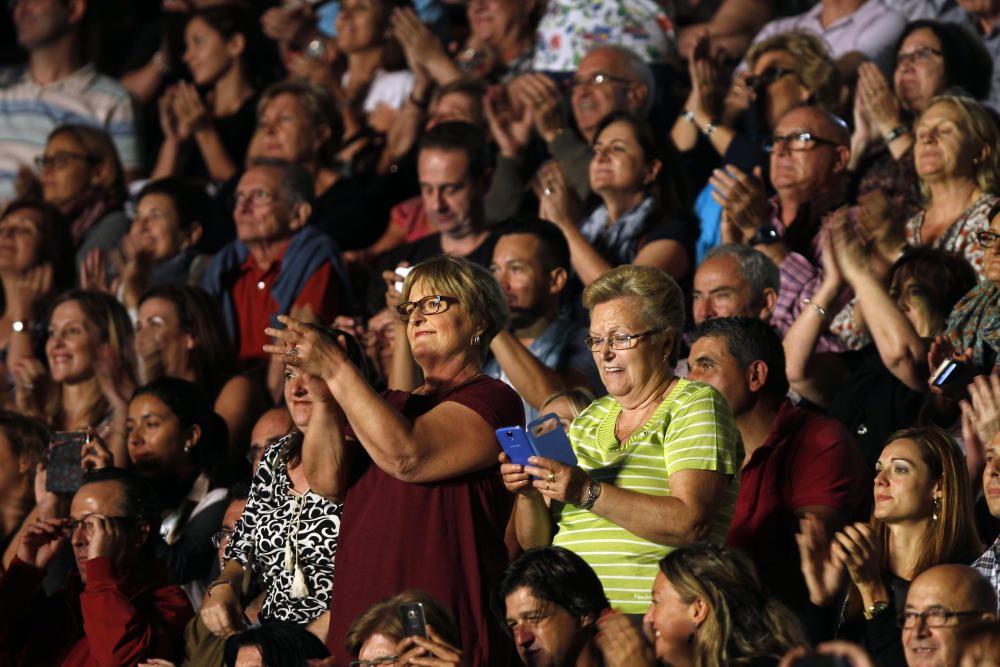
[475,340]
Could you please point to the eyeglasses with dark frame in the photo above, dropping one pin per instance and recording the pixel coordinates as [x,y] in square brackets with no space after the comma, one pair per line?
[987,239]
[932,618]
[60,159]
[618,341]
[596,79]
[920,54]
[429,305]
[767,77]
[797,141]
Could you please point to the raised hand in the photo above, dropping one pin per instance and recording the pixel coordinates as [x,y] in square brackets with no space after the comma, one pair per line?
[557,202]
[95,454]
[822,570]
[859,548]
[707,85]
[510,126]
[849,252]
[94,272]
[109,537]
[515,479]
[222,612]
[541,94]
[742,199]
[305,348]
[189,110]
[877,98]
[41,541]
[983,407]
[622,644]
[431,652]
[31,382]
[28,288]
[168,120]
[558,481]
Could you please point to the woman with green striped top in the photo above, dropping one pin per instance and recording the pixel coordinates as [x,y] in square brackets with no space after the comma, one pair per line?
[657,457]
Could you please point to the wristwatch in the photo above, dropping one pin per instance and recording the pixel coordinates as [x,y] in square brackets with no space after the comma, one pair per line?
[19,326]
[593,493]
[875,609]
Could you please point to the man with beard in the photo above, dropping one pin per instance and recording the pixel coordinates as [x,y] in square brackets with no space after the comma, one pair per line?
[541,352]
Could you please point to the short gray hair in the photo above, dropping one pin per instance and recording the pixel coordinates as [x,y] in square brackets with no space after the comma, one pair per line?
[757,268]
[639,69]
[296,183]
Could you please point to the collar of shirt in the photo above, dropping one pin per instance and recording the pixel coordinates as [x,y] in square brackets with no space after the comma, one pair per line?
[78,82]
[249,266]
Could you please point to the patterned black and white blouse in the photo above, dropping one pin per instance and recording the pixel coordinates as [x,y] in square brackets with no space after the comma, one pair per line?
[273,513]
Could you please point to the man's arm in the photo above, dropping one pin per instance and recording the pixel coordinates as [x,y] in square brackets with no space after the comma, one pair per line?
[532,379]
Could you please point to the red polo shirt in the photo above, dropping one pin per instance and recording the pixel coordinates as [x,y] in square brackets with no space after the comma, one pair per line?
[807,460]
[254,304]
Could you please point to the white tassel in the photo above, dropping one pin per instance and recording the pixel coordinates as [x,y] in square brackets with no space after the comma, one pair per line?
[289,559]
[300,588]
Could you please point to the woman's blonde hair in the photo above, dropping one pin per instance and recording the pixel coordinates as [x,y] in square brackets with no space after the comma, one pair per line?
[101,151]
[952,537]
[980,123]
[744,623]
[662,302]
[475,288]
[813,65]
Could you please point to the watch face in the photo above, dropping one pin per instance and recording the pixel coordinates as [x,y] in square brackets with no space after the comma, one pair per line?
[17,326]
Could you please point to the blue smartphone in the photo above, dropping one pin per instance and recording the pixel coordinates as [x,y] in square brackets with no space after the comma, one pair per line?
[515,442]
[544,437]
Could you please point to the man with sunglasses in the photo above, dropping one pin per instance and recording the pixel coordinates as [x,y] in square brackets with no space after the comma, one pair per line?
[940,601]
[808,167]
[119,610]
[865,26]
[58,83]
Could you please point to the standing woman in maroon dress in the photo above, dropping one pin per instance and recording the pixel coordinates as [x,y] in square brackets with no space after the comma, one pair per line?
[424,505]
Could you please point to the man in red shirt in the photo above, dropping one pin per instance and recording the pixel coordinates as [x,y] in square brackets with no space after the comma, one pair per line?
[118,611]
[277,264]
[796,461]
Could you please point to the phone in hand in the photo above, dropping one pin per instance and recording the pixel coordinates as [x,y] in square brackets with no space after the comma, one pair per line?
[948,371]
[414,622]
[63,472]
[543,437]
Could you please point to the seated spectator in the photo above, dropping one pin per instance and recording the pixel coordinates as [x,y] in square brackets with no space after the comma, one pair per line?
[980,18]
[177,445]
[549,600]
[808,170]
[430,454]
[866,26]
[567,405]
[87,375]
[989,563]
[922,517]
[162,244]
[453,165]
[274,644]
[542,351]
[931,58]
[35,264]
[609,78]
[640,487]
[941,601]
[735,281]
[57,83]
[958,171]
[271,427]
[796,461]
[642,219]
[180,332]
[23,445]
[377,636]
[201,647]
[971,328]
[278,264]
[880,387]
[709,608]
[120,610]
[205,138]
[375,82]
[81,175]
[275,543]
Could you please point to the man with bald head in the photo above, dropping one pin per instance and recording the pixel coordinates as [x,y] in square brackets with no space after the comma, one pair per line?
[939,602]
[609,78]
[735,281]
[273,424]
[808,169]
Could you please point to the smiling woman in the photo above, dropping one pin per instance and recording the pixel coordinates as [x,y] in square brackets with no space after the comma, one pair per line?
[429,454]
[657,455]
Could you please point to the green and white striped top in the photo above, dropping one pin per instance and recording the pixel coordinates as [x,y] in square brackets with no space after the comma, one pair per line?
[692,429]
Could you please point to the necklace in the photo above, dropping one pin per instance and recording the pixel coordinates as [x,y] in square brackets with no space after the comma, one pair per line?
[623,433]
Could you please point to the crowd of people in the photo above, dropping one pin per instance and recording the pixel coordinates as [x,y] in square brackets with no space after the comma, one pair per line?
[278,276]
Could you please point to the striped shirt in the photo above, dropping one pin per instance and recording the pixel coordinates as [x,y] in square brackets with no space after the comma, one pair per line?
[29,112]
[692,429]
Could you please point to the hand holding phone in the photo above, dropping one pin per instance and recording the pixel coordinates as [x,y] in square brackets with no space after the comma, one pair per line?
[414,621]
[64,470]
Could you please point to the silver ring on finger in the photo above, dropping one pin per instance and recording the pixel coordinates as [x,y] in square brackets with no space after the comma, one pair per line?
[551,477]
[292,352]
[548,191]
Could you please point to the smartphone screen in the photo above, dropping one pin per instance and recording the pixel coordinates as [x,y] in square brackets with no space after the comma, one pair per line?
[63,472]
